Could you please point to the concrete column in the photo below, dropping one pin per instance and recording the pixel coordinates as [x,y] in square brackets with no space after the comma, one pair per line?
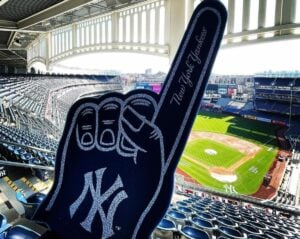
[48,49]
[139,33]
[262,13]
[278,12]
[131,27]
[64,40]
[246,15]
[74,37]
[230,21]
[148,26]
[175,25]
[48,46]
[288,14]
[106,31]
[90,32]
[288,11]
[114,27]
[157,24]
[189,10]
[124,27]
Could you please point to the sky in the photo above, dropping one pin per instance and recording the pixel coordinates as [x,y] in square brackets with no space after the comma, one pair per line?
[243,60]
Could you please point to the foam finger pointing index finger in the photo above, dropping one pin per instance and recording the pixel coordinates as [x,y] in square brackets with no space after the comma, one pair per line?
[185,84]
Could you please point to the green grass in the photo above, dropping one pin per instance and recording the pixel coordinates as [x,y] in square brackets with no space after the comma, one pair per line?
[225,156]
[251,130]
[249,175]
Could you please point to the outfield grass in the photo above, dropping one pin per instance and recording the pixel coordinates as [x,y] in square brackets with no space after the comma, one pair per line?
[225,157]
[251,130]
[250,175]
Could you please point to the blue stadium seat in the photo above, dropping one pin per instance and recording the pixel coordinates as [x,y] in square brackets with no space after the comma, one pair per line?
[273,235]
[185,210]
[21,232]
[178,218]
[255,236]
[3,224]
[206,216]
[226,222]
[237,219]
[31,203]
[281,231]
[189,232]
[204,225]
[164,230]
[230,232]
[248,229]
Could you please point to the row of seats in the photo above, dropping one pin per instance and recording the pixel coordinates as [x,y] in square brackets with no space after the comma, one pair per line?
[25,137]
[29,99]
[280,82]
[210,217]
[275,106]
[203,217]
[28,155]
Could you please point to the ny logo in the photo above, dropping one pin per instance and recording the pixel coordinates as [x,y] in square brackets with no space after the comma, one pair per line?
[98,199]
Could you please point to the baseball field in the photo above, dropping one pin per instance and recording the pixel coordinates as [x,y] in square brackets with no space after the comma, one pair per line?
[229,153]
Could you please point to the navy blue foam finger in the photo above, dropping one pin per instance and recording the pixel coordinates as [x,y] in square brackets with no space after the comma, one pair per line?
[186,81]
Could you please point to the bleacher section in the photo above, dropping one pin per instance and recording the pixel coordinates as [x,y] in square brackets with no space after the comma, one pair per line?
[287,192]
[209,216]
[40,103]
[277,95]
[33,109]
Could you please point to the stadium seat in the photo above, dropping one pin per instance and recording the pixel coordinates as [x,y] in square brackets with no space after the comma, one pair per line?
[204,225]
[281,231]
[248,229]
[206,216]
[182,204]
[21,232]
[178,218]
[226,222]
[264,225]
[230,232]
[3,224]
[273,235]
[189,232]
[31,203]
[164,230]
[186,211]
[255,236]
[237,219]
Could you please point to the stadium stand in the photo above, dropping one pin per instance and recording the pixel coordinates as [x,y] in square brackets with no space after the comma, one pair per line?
[42,102]
[277,95]
[210,216]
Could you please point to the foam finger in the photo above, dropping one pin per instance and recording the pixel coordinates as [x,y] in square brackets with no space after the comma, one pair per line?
[185,84]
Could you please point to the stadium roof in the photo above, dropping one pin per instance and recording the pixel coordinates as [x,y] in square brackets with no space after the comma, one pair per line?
[22,21]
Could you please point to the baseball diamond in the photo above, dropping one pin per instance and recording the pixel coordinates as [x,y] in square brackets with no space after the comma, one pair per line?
[244,150]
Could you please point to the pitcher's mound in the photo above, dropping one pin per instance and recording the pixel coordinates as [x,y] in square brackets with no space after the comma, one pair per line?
[210,152]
